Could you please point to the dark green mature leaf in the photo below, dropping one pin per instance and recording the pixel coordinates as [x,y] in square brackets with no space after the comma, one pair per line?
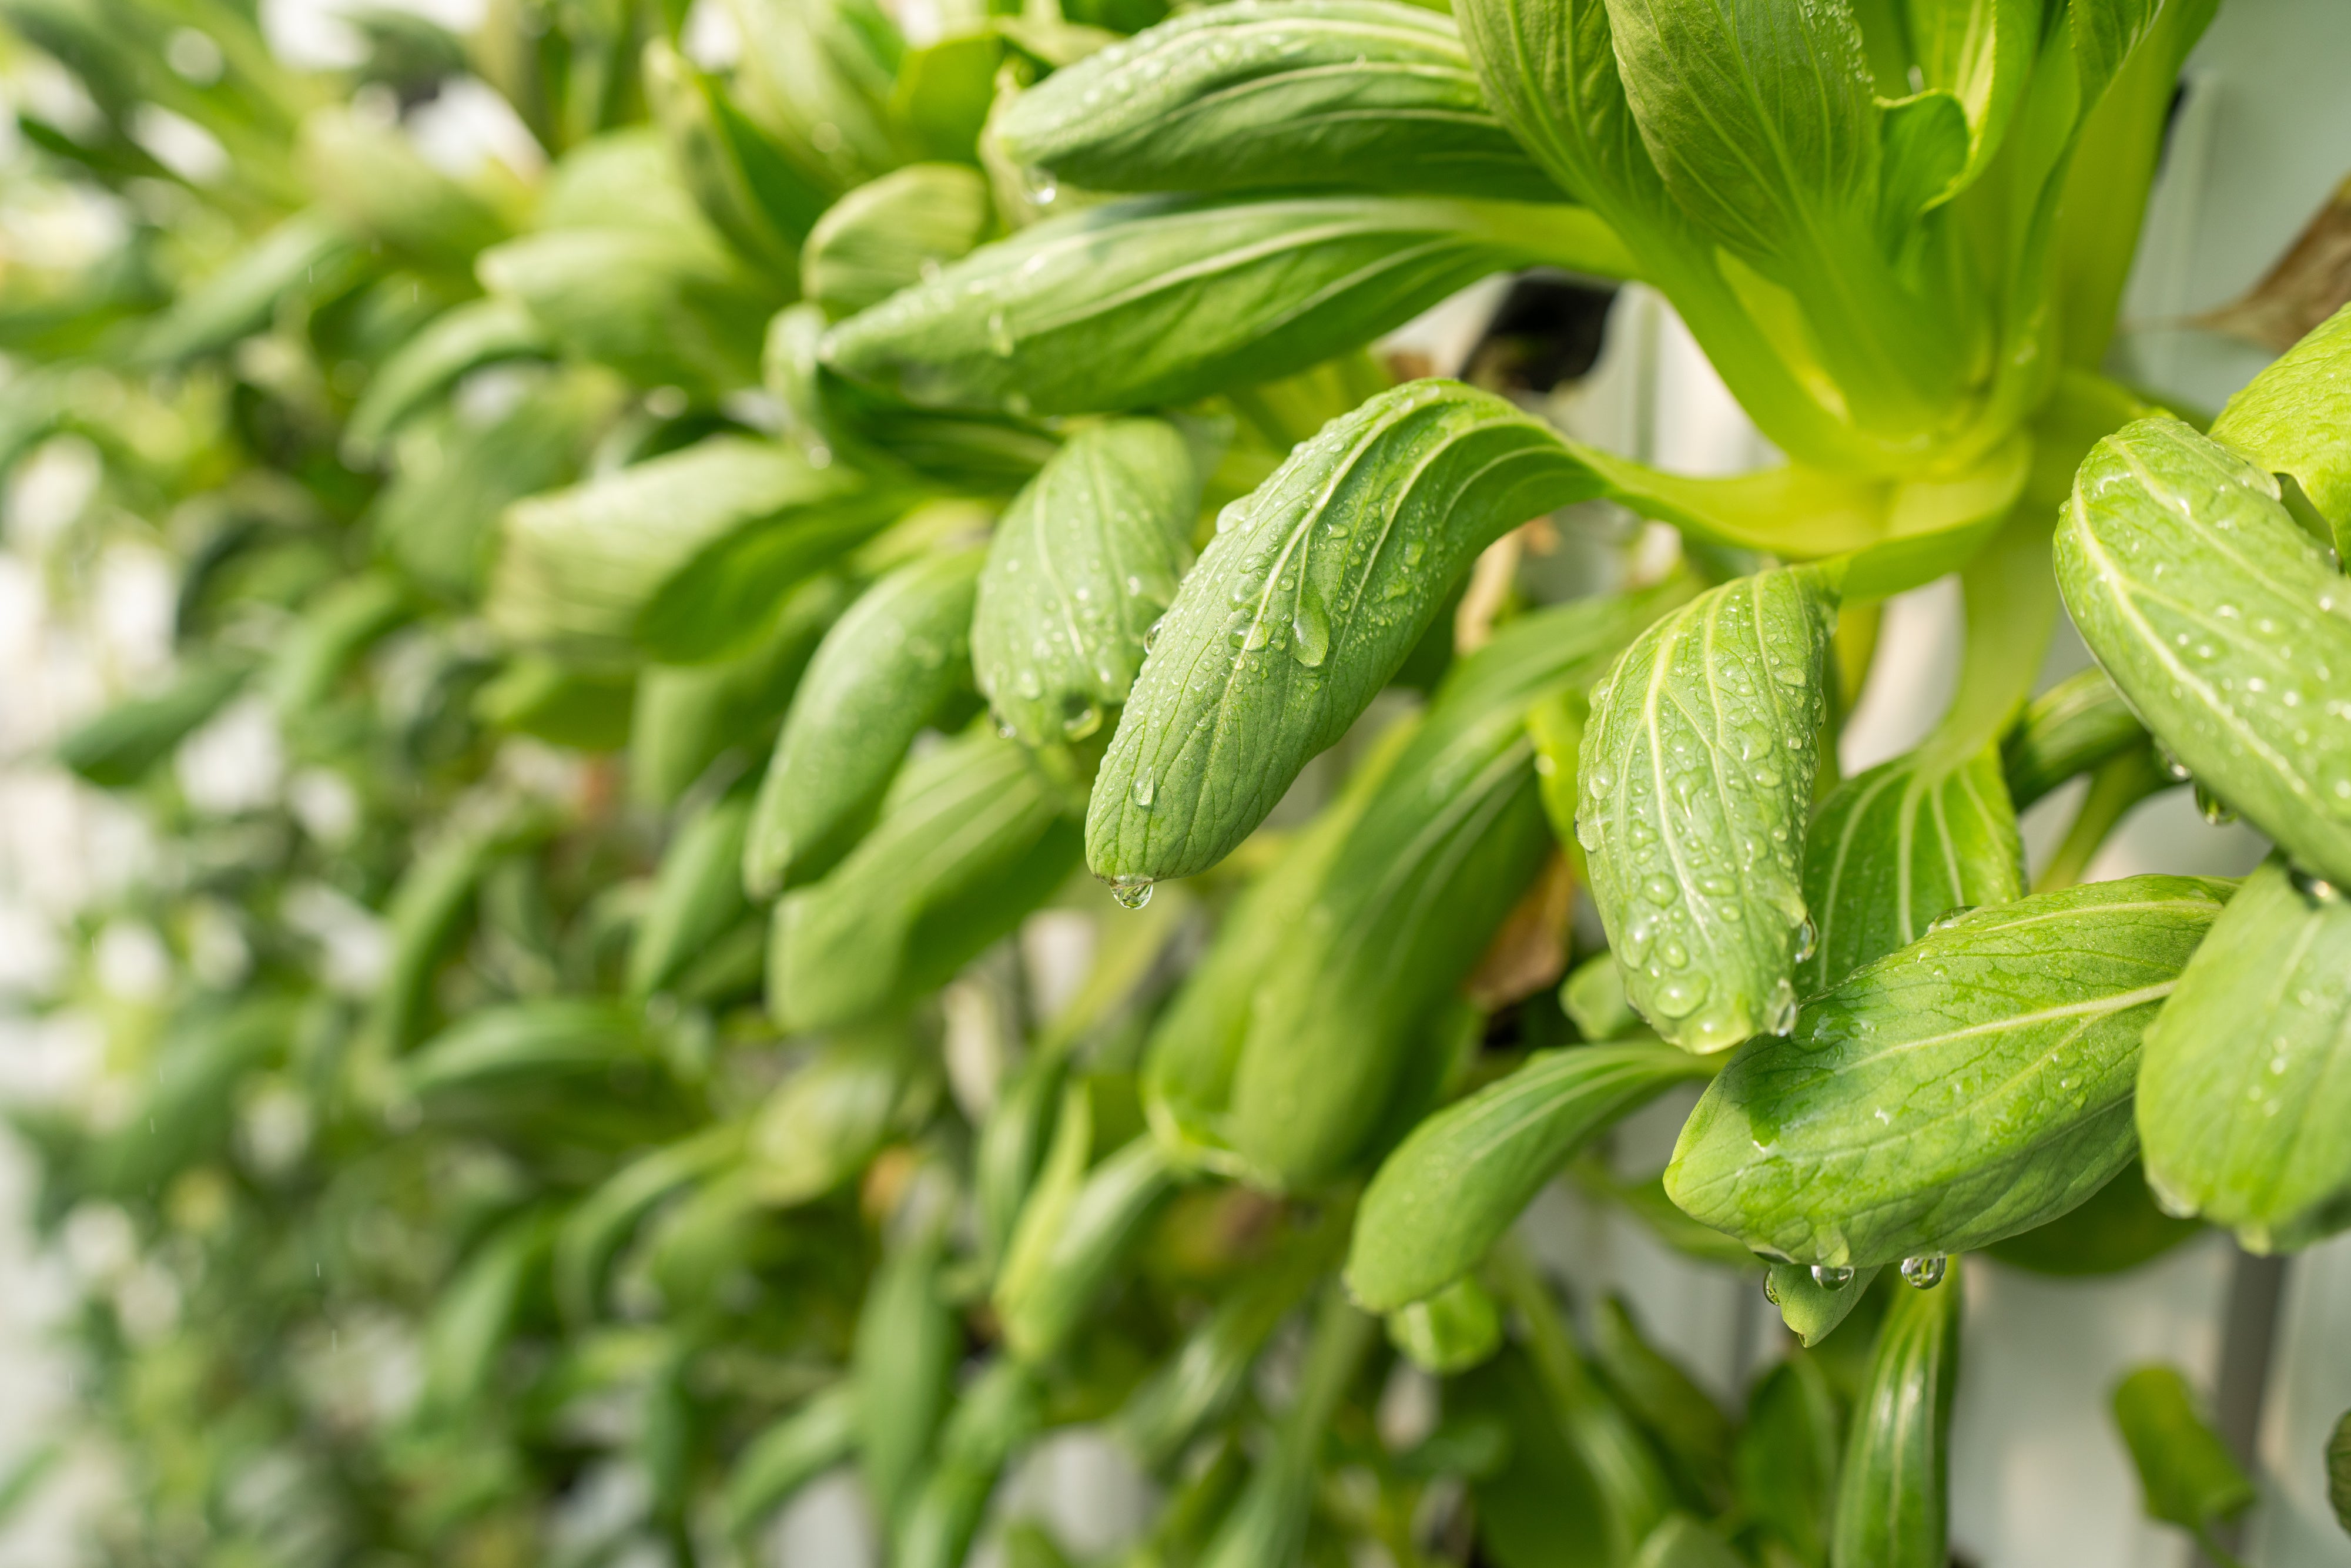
[902,1362]
[2117,1228]
[2339,1471]
[968,841]
[2223,624]
[2071,727]
[893,233]
[471,1322]
[1897,848]
[2186,1472]
[1697,771]
[794,1450]
[993,1418]
[1360,93]
[2244,1103]
[578,569]
[1161,300]
[1083,562]
[122,745]
[2295,418]
[1463,1174]
[1313,591]
[1786,1460]
[1893,1506]
[1668,1402]
[878,678]
[1540,1509]
[688,716]
[1968,1087]
[462,339]
[698,894]
[535,1042]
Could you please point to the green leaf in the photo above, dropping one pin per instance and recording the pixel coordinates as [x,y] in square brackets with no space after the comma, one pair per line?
[1981,52]
[2339,1471]
[1681,1542]
[1669,1404]
[1968,1087]
[820,1126]
[1166,299]
[530,1044]
[944,92]
[1697,772]
[1066,1251]
[584,708]
[122,745]
[1811,1306]
[882,674]
[2244,1107]
[601,1223]
[461,339]
[1892,1504]
[1083,562]
[2104,33]
[1592,996]
[308,252]
[1539,1508]
[892,234]
[1892,849]
[816,75]
[901,1363]
[792,1451]
[2116,1230]
[745,185]
[1313,591]
[1209,1371]
[1787,1457]
[1363,94]
[2222,622]
[2185,1473]
[698,894]
[376,182]
[968,841]
[2071,727]
[2291,419]
[1450,1332]
[341,623]
[1463,1175]
[1267,1523]
[994,1416]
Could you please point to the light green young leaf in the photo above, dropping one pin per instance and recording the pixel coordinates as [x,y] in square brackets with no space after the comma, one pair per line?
[750,192]
[893,233]
[2071,727]
[2104,33]
[1164,299]
[1450,1332]
[820,1126]
[375,181]
[1462,1177]
[1592,996]
[878,678]
[1970,1086]
[462,339]
[1895,849]
[307,251]
[1086,559]
[2185,1473]
[901,1365]
[698,894]
[1314,590]
[1070,1241]
[1367,94]
[817,74]
[969,839]
[2223,624]
[2295,418]
[1893,1505]
[1698,774]
[1681,1542]
[2244,1101]
[1810,1307]
[794,1450]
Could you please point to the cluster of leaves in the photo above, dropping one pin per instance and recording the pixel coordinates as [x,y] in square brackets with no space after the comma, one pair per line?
[712,593]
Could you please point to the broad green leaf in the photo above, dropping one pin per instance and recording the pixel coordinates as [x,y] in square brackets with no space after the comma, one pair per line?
[376,182]
[438,517]
[1681,1542]
[1313,591]
[1054,1276]
[462,339]
[1358,93]
[1450,1332]
[1698,773]
[688,716]
[2224,625]
[623,179]
[881,675]
[727,595]
[1164,299]
[122,745]
[1982,52]
[2116,1230]
[820,1126]
[1786,1460]
[1970,1086]
[792,1451]
[817,75]
[698,894]
[1815,1305]
[1894,850]
[901,1365]
[893,233]
[2294,419]
[748,189]
[1892,1504]
[2245,1109]
[994,1417]
[578,568]
[2071,727]
[1443,850]
[1539,1508]
[1462,1177]
[1086,559]
[2186,1474]
[662,306]
[309,253]
[969,839]
[944,90]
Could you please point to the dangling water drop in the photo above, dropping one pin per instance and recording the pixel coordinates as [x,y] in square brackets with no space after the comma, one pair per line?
[1831,1279]
[2216,810]
[1770,1290]
[1808,941]
[2172,765]
[1923,1273]
[1132,892]
[2318,890]
[1151,633]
